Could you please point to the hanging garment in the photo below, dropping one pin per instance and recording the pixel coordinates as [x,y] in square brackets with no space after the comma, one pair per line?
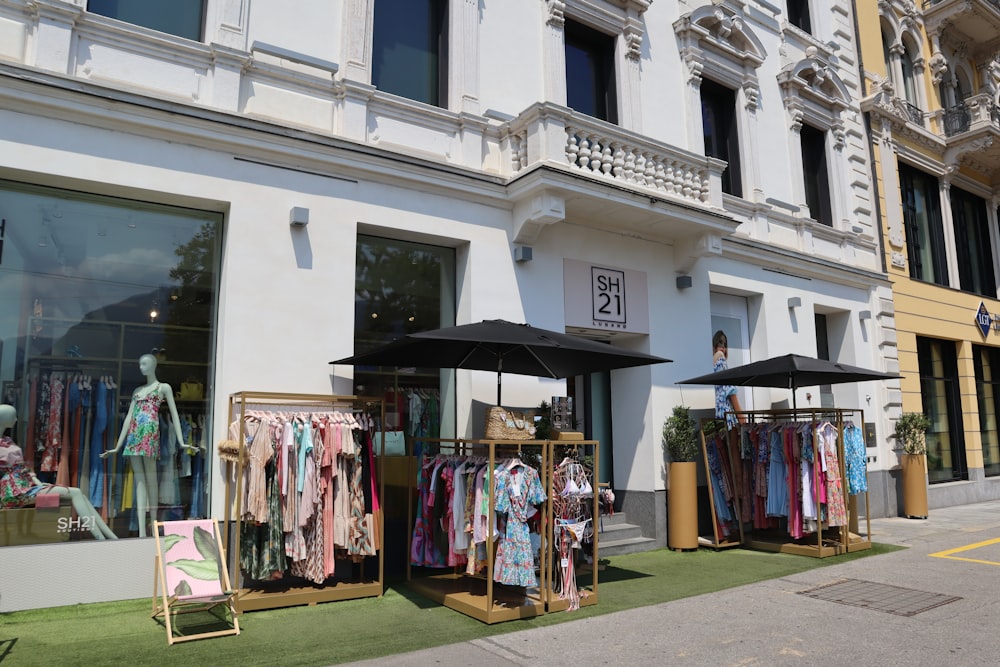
[855,459]
[97,464]
[777,477]
[836,507]
[517,490]
[53,436]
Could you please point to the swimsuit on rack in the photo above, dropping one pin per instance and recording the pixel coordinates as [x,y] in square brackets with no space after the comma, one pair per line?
[143,438]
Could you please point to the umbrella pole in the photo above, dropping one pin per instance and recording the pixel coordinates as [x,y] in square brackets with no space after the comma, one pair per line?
[498,388]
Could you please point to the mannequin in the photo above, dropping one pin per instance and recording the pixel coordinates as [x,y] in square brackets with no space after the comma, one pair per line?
[140,437]
[19,481]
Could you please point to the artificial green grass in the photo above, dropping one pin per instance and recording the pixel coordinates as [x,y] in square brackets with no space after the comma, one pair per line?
[400,621]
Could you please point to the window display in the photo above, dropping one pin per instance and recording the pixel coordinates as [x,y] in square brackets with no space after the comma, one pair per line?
[88,286]
[401,288]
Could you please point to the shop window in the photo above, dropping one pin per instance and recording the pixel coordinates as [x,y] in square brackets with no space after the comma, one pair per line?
[184,18]
[939,393]
[590,73]
[88,285]
[718,114]
[972,243]
[987,363]
[924,227]
[816,174]
[410,49]
[798,14]
[401,288]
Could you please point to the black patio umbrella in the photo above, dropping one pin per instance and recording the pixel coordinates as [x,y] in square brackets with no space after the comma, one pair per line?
[504,347]
[790,371]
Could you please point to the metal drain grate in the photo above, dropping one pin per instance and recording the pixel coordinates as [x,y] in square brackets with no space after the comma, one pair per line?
[879,597]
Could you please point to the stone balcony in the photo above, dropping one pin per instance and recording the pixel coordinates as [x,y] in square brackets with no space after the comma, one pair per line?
[567,167]
[977,20]
[972,133]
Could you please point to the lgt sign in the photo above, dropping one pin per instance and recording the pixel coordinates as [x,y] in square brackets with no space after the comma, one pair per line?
[984,320]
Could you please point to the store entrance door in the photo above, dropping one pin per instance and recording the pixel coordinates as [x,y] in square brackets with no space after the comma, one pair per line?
[597,420]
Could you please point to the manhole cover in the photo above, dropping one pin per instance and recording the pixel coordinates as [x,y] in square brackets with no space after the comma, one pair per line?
[880,597]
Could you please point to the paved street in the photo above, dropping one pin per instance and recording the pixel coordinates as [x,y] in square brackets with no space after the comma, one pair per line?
[953,554]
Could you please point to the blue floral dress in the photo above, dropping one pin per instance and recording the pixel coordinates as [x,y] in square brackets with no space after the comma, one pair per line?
[516,490]
[722,394]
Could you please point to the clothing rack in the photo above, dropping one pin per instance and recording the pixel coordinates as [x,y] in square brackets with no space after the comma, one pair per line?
[291,591]
[479,596]
[824,540]
[712,431]
[572,580]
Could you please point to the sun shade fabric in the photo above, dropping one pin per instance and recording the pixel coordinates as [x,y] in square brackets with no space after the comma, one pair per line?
[508,347]
[790,371]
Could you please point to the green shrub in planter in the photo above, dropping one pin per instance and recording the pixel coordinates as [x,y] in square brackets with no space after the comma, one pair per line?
[680,435]
[911,432]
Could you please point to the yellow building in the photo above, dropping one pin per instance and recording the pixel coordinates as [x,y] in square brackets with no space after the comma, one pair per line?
[931,82]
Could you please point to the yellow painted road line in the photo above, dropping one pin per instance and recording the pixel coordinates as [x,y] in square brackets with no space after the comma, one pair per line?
[970,547]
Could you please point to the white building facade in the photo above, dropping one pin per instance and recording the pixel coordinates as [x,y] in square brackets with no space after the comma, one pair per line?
[232,166]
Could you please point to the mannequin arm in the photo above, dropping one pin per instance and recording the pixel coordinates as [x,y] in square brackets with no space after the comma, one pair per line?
[167,392]
[121,436]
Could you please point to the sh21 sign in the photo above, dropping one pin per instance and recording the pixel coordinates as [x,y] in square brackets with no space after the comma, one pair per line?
[609,296]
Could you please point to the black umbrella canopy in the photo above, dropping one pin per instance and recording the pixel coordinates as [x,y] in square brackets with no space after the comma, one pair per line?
[790,371]
[504,347]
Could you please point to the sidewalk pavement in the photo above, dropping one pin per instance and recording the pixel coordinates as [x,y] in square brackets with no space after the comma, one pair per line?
[951,598]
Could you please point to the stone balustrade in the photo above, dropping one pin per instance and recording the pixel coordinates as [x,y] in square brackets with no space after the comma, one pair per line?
[555,135]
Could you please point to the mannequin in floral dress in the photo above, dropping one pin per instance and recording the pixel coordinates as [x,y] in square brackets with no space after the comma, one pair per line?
[140,437]
[20,487]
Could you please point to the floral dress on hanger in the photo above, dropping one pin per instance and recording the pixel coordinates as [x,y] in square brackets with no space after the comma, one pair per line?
[516,491]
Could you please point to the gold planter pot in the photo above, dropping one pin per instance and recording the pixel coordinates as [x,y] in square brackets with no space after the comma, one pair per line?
[682,506]
[914,485]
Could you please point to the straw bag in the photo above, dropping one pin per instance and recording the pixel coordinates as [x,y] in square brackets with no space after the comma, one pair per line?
[231,451]
[504,424]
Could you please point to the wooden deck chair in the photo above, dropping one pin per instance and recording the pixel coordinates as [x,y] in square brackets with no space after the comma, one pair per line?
[191,575]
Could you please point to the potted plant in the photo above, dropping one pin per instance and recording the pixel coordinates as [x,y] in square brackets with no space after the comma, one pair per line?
[911,435]
[680,438]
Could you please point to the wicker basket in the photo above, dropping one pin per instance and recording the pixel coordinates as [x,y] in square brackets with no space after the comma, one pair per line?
[504,424]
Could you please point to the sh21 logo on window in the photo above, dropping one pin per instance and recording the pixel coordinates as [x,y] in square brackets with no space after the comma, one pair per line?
[65,524]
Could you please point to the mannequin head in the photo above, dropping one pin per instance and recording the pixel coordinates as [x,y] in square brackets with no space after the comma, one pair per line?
[8,417]
[147,364]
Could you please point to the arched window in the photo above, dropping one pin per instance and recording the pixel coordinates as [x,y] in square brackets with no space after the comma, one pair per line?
[909,87]
[886,55]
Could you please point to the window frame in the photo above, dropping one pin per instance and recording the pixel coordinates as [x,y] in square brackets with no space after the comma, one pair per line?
[167,4]
[942,403]
[816,174]
[972,243]
[436,49]
[988,357]
[932,226]
[723,106]
[600,46]
[798,14]
[717,44]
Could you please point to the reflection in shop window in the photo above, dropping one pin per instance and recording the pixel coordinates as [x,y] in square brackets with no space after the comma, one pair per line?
[942,405]
[988,392]
[87,286]
[402,288]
